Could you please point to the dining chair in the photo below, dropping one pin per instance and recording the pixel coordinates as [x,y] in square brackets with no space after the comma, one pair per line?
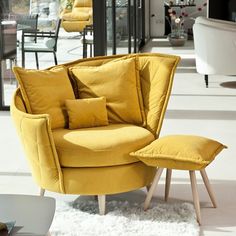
[44,42]
[87,39]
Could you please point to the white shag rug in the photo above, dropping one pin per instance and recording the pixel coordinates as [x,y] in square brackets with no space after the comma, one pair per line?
[81,218]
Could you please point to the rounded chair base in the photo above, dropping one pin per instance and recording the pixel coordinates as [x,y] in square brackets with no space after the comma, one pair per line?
[107,180]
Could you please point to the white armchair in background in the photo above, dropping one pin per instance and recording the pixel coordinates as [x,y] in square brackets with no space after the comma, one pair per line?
[215,47]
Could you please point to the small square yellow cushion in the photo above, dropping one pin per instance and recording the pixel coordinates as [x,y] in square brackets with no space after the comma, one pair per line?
[45,92]
[119,82]
[183,152]
[85,113]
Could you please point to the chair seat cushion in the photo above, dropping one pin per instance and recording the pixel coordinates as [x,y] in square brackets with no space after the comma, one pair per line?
[100,146]
[183,152]
[40,46]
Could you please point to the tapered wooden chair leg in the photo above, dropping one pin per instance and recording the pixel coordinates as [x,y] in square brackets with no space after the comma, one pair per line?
[195,195]
[167,186]
[102,204]
[208,187]
[152,189]
[42,192]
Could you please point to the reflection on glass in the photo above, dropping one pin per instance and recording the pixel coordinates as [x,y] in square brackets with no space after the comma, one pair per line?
[7,57]
[128,26]
[121,26]
[109,27]
[8,81]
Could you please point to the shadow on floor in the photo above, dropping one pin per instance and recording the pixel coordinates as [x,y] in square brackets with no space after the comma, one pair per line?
[215,221]
[229,84]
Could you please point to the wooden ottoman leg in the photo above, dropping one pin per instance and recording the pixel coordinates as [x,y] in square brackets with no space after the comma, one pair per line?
[102,204]
[195,195]
[208,187]
[167,186]
[152,189]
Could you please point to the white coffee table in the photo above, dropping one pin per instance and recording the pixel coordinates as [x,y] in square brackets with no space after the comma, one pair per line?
[33,214]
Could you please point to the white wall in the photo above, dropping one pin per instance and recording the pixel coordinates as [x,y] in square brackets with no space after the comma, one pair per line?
[157,18]
[189,22]
[157,22]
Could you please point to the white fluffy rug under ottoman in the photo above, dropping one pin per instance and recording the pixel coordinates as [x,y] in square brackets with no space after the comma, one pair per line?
[123,218]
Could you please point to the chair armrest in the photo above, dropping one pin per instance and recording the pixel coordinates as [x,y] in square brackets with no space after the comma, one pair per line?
[38,34]
[36,136]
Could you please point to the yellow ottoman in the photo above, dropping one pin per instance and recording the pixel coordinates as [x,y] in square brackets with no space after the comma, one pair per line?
[182,152]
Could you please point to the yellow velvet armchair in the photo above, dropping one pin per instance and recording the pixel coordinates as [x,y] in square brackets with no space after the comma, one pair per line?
[78,17]
[96,161]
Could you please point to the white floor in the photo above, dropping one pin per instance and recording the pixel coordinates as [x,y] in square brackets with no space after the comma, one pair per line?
[192,109]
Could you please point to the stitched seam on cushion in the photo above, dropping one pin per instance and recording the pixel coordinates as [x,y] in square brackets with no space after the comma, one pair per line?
[23,91]
[219,149]
[56,163]
[139,92]
[115,57]
[38,154]
[166,157]
[167,97]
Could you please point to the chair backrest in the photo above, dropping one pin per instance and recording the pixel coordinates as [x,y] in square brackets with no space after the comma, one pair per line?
[215,22]
[214,40]
[156,77]
[29,22]
[84,6]
[83,3]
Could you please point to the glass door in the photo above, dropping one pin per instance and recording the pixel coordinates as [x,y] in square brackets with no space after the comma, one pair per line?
[125,26]
[7,60]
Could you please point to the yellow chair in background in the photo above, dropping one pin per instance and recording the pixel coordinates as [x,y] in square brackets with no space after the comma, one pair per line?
[78,17]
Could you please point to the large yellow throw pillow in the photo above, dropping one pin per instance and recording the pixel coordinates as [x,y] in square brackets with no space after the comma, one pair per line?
[85,113]
[118,81]
[45,92]
[184,152]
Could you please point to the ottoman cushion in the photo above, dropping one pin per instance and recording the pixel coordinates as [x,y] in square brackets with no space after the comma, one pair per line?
[183,152]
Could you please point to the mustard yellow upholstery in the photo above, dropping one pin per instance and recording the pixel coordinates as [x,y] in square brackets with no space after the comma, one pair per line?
[100,146]
[113,179]
[41,145]
[184,152]
[45,91]
[124,100]
[156,77]
[80,16]
[85,113]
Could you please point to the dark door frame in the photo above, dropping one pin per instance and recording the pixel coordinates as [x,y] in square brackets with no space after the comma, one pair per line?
[99,26]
